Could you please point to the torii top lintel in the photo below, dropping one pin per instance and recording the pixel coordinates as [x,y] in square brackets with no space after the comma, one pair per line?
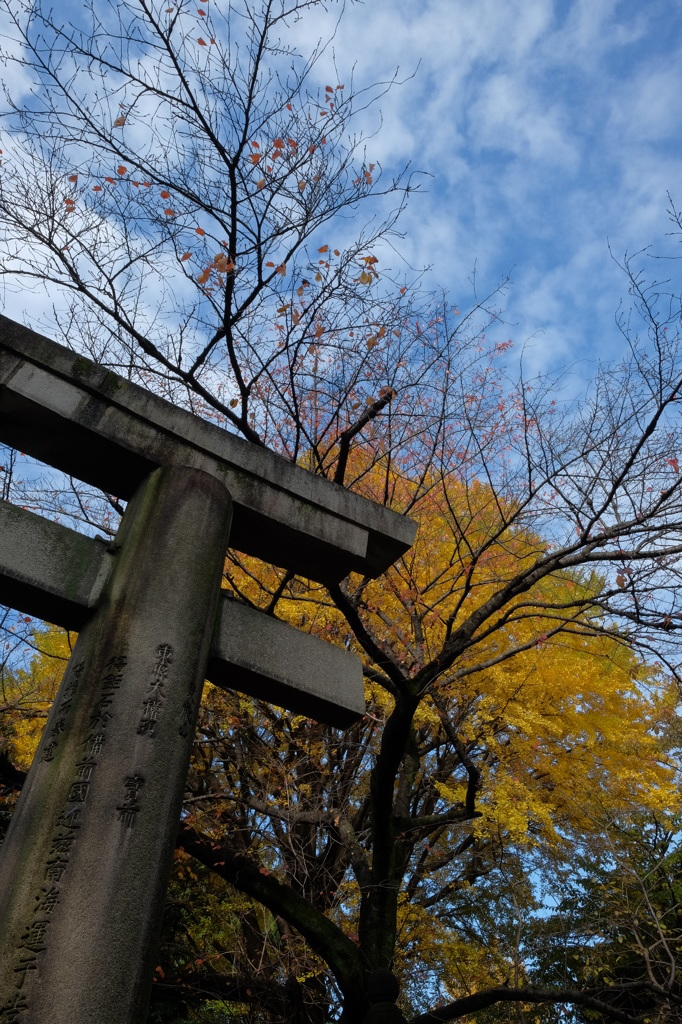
[89,422]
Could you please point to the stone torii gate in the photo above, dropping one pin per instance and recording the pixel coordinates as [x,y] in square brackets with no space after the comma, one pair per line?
[85,863]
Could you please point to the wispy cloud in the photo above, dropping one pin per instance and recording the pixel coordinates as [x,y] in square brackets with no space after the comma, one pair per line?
[548,129]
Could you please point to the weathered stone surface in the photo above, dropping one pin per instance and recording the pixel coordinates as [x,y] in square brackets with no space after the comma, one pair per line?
[89,422]
[271,660]
[84,866]
[48,570]
[57,574]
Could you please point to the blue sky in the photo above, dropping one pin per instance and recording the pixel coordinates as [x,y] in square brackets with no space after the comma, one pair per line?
[550,129]
[546,129]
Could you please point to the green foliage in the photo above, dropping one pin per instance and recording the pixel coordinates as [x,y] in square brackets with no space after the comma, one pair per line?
[225,959]
[616,930]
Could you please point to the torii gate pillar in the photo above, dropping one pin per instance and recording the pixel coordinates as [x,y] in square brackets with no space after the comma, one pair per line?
[86,860]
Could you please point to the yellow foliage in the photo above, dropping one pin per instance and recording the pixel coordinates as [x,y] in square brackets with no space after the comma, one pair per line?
[27,695]
[466,965]
[562,724]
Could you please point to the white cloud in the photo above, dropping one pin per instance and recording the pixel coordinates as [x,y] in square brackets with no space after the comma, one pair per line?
[547,128]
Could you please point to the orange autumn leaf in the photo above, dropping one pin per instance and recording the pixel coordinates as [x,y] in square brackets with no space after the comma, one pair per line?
[121,170]
[301,186]
[186,256]
[73,177]
[260,183]
[204,276]
[281,269]
[200,231]
[289,106]
[254,157]
[119,122]
[169,213]
[293,143]
[201,13]
[96,188]
[201,42]
[278,143]
[110,180]
[165,194]
[269,264]
[323,248]
[222,263]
